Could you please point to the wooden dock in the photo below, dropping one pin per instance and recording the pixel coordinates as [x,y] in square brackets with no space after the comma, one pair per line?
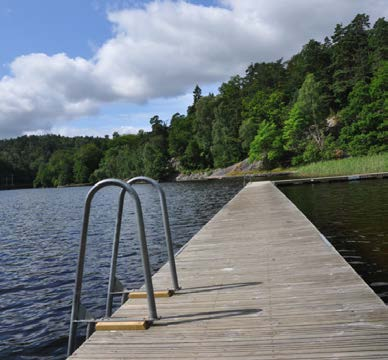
[259,282]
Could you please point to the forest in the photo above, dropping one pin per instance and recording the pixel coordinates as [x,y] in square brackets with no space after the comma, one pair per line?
[329,101]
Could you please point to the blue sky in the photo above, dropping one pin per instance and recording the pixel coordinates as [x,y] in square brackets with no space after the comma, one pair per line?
[70,26]
[124,61]
[78,28]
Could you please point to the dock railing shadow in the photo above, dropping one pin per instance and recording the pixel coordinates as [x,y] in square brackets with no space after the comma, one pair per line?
[217,287]
[206,315]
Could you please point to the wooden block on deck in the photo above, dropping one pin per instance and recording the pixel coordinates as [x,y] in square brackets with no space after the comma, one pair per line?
[157,294]
[123,325]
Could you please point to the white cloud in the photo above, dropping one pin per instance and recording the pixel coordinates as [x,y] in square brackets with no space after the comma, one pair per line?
[293,23]
[44,90]
[162,50]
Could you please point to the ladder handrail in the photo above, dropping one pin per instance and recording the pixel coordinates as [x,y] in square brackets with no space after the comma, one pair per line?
[166,224]
[112,288]
[76,306]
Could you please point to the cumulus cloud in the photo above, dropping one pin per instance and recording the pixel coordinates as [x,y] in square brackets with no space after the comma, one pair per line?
[43,90]
[293,23]
[162,50]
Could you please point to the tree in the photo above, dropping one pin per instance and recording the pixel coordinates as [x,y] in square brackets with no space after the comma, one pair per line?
[267,145]
[123,159]
[197,94]
[226,147]
[253,112]
[6,170]
[203,121]
[58,171]
[156,163]
[306,124]
[191,159]
[378,43]
[61,165]
[350,60]
[315,58]
[263,77]
[155,151]
[365,119]
[43,177]
[179,134]
[86,161]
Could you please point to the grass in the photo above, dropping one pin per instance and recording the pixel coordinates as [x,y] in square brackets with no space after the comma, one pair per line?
[348,166]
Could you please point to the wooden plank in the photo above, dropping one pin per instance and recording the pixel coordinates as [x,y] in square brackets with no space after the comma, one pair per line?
[258,282]
[122,325]
[157,294]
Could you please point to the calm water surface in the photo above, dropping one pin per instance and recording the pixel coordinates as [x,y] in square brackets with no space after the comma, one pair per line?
[39,237]
[354,218]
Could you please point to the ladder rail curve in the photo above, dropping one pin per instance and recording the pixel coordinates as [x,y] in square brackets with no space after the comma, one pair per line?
[76,305]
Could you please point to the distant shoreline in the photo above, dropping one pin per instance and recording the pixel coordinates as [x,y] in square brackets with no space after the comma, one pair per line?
[16,187]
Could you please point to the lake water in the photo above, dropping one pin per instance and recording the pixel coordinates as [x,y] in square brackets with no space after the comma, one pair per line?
[353,216]
[39,238]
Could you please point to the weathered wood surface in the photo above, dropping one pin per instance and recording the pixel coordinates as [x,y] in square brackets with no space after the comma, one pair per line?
[259,283]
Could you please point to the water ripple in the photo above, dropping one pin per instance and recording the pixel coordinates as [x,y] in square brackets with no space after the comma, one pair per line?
[353,216]
[39,237]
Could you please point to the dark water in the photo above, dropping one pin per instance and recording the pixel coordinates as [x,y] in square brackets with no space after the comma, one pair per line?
[39,237]
[354,218]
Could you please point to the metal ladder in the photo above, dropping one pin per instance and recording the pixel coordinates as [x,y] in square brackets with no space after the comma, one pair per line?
[79,313]
[166,225]
[115,287]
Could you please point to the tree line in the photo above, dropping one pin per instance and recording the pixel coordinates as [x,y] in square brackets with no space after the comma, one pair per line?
[328,101]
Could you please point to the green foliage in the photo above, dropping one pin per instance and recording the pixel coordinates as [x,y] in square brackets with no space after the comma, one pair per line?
[190,137]
[203,121]
[253,111]
[6,171]
[58,171]
[179,135]
[197,94]
[304,130]
[154,162]
[313,59]
[86,161]
[155,152]
[155,159]
[191,159]
[267,145]
[26,154]
[226,147]
[378,43]
[365,119]
[263,77]
[120,162]
[350,57]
